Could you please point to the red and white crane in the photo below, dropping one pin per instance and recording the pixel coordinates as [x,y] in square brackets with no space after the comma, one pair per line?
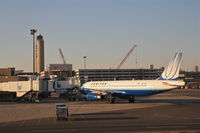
[64,62]
[62,56]
[127,55]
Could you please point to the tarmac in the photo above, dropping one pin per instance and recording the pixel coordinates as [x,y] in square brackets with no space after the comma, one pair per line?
[170,112]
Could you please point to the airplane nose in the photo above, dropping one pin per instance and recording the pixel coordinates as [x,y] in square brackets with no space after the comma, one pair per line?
[82,89]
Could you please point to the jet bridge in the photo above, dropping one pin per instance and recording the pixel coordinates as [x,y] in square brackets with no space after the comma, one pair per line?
[23,90]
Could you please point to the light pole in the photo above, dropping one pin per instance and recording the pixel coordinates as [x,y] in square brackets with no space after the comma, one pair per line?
[84,68]
[33,31]
[85,62]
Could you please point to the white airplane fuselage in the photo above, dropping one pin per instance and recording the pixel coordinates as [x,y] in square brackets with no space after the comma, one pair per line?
[131,87]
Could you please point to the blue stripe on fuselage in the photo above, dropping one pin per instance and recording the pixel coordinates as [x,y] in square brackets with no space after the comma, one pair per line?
[128,92]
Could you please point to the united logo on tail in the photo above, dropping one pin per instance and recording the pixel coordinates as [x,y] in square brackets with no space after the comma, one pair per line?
[171,72]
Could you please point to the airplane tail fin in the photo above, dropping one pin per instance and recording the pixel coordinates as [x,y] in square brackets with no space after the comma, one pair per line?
[171,72]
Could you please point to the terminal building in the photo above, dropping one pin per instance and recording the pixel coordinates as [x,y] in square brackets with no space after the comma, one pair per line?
[192,79]
[10,74]
[192,75]
[85,75]
[63,71]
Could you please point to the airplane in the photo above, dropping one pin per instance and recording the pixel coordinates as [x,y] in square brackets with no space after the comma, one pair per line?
[128,89]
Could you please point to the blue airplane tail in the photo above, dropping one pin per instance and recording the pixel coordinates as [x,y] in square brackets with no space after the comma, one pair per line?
[171,72]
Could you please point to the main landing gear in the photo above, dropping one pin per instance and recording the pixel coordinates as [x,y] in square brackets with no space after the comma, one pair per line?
[111,99]
[131,99]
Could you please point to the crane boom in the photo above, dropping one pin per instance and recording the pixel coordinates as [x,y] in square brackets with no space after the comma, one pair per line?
[62,56]
[127,55]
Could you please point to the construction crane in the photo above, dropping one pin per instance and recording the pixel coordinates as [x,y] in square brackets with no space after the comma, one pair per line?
[62,56]
[127,55]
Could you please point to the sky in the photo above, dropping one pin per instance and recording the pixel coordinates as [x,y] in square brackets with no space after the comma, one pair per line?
[101,30]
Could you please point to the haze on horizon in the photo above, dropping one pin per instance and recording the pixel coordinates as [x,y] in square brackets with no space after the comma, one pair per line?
[102,30]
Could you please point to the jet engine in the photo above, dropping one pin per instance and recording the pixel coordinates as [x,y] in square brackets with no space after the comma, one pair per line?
[93,97]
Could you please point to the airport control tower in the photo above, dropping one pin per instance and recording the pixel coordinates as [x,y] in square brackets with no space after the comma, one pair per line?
[39,54]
